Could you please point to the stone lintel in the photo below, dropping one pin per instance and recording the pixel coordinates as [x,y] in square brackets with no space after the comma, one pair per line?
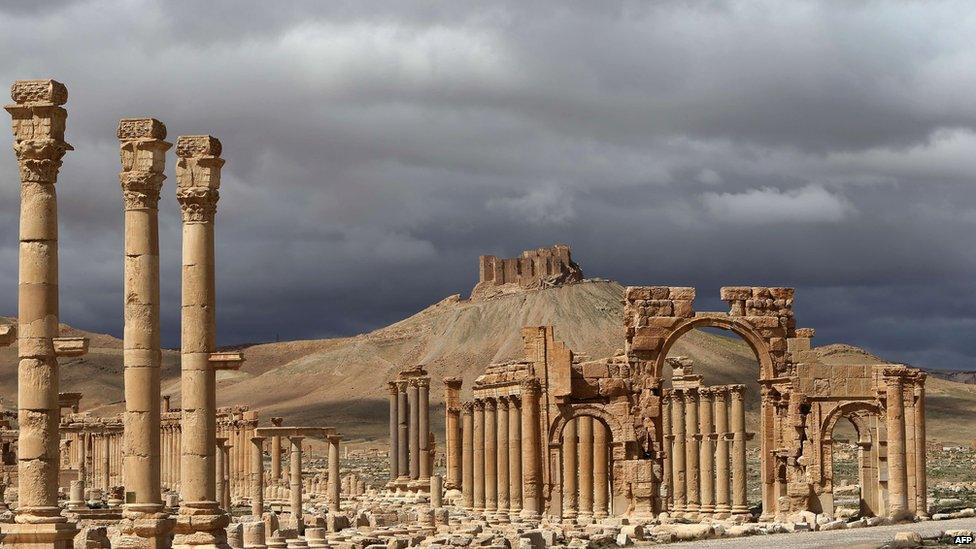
[188,146]
[227,360]
[39,92]
[131,129]
[70,346]
[315,432]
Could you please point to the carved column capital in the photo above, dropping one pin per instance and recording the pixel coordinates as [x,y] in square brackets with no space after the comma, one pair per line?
[737,391]
[143,154]
[453,382]
[530,387]
[391,386]
[198,177]
[38,126]
[490,404]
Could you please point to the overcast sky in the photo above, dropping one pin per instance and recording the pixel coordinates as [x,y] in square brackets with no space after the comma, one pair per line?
[373,152]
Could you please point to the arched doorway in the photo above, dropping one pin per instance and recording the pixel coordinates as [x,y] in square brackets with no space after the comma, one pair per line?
[586,468]
[854,429]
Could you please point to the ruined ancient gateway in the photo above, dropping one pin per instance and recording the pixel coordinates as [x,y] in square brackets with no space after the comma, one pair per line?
[579,439]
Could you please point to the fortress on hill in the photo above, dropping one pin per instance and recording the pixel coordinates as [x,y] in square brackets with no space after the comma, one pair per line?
[540,268]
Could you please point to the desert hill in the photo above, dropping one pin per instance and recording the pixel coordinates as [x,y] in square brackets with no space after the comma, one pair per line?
[341,382]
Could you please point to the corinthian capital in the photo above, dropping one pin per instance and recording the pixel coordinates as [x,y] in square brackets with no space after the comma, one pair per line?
[143,155]
[198,177]
[38,126]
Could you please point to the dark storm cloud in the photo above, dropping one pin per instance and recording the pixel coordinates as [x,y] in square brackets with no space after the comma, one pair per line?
[375,149]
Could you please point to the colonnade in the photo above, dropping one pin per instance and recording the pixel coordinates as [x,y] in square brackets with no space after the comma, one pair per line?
[705,453]
[905,423]
[170,450]
[501,447]
[585,476]
[411,458]
[237,427]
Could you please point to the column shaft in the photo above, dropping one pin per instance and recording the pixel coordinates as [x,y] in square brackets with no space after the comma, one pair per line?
[413,399]
[514,456]
[504,503]
[739,470]
[921,493]
[692,438]
[601,461]
[668,464]
[257,476]
[570,452]
[531,450]
[678,471]
[585,433]
[403,436]
[275,458]
[707,453]
[491,456]
[721,413]
[333,485]
[479,455]
[897,473]
[394,432]
[423,433]
[295,478]
[467,455]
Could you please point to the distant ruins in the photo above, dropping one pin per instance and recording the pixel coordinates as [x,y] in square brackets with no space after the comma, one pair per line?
[551,434]
[541,268]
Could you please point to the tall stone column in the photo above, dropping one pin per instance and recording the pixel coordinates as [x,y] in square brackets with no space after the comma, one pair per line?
[692,438]
[333,486]
[38,128]
[570,451]
[257,476]
[514,457]
[531,450]
[467,455]
[921,493]
[678,471]
[585,431]
[721,414]
[739,503]
[394,431]
[452,430]
[479,455]
[504,503]
[667,464]
[413,434]
[897,473]
[403,436]
[706,452]
[295,477]
[276,451]
[219,473]
[423,430]
[201,520]
[106,462]
[491,456]
[143,153]
[601,460]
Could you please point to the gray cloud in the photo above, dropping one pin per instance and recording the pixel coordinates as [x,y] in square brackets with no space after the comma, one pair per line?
[375,149]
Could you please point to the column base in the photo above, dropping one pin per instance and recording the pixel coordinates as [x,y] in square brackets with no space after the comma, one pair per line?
[144,530]
[201,525]
[53,535]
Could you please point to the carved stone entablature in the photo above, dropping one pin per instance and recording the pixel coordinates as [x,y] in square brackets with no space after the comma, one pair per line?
[43,92]
[141,128]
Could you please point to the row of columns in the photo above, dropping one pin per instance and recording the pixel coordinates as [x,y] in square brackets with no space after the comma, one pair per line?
[501,447]
[585,474]
[170,454]
[410,445]
[905,417]
[237,429]
[705,453]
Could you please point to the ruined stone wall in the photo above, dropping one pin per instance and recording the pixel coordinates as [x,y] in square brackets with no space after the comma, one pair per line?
[539,268]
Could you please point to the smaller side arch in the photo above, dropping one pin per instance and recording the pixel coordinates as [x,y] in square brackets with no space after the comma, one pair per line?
[586,409]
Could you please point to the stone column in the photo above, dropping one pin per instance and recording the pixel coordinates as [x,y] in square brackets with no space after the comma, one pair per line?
[276,452]
[491,456]
[678,471]
[295,477]
[333,486]
[897,473]
[219,473]
[436,491]
[423,433]
[668,464]
[403,436]
[413,400]
[201,520]
[692,439]
[38,127]
[721,414]
[106,462]
[257,476]
[514,457]
[143,153]
[254,535]
[504,503]
[394,431]
[585,431]
[739,470]
[467,455]
[531,450]
[706,452]
[601,459]
[479,455]
[452,430]
[570,451]
[921,484]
